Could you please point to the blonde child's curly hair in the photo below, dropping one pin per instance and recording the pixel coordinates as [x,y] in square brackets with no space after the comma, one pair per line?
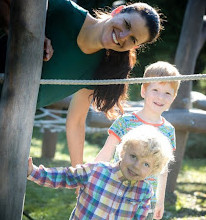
[155,144]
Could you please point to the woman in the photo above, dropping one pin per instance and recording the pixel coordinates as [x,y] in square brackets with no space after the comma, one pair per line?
[79,41]
[86,47]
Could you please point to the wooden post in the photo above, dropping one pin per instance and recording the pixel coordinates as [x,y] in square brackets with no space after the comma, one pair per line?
[49,144]
[185,61]
[50,138]
[18,101]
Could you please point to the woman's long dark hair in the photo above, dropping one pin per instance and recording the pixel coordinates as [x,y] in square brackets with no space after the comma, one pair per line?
[114,65]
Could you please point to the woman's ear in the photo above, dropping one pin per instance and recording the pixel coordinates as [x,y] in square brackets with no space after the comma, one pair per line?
[117,10]
[143,90]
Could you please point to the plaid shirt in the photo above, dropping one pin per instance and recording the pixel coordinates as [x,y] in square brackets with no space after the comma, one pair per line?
[105,194]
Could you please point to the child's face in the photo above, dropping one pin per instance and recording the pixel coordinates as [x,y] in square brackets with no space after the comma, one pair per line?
[158,97]
[135,165]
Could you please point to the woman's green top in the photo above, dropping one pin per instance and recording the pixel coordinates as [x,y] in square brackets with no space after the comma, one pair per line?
[64,22]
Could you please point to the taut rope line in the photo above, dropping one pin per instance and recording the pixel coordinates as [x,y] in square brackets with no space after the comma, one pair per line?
[119,81]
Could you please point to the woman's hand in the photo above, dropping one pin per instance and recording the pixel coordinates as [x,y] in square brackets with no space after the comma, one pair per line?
[30,166]
[48,49]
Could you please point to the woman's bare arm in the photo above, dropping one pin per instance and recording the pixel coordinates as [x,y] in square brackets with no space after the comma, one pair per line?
[75,124]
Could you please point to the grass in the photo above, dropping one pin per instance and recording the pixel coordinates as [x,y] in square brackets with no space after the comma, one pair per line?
[187,203]
[190,192]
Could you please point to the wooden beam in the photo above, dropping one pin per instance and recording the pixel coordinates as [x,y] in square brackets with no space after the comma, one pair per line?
[18,101]
[198,100]
[193,120]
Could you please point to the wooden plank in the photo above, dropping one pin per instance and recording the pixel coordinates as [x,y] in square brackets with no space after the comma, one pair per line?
[18,101]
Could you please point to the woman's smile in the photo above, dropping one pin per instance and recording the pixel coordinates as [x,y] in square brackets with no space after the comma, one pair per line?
[114,38]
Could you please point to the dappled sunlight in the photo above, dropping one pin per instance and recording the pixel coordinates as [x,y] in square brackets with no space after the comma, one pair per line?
[191,191]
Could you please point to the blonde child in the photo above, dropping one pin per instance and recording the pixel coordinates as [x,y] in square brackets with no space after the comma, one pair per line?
[113,190]
[158,96]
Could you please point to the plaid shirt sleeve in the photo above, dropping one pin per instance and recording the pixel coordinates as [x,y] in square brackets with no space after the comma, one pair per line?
[67,177]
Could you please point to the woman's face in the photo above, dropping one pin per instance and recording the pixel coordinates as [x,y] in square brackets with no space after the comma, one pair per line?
[124,31]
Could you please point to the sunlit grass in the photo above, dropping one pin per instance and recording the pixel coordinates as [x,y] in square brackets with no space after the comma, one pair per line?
[190,191]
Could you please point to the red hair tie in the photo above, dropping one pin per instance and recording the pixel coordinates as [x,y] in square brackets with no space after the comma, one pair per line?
[117,10]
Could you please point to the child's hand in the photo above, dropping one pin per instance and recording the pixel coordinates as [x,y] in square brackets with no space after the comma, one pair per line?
[159,210]
[30,166]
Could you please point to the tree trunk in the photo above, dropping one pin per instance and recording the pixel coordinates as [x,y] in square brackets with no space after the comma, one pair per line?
[185,61]
[18,101]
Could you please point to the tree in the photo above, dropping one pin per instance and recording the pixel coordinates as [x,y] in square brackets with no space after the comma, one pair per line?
[192,38]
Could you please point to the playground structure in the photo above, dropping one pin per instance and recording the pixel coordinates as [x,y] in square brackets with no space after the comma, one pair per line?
[20,90]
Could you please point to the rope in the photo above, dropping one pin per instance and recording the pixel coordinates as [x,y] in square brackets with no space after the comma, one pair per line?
[120,81]
[123,81]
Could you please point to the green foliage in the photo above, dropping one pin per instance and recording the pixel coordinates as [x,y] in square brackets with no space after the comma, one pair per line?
[96,138]
[134,92]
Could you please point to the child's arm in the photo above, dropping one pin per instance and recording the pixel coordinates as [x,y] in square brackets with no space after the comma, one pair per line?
[107,152]
[160,194]
[67,177]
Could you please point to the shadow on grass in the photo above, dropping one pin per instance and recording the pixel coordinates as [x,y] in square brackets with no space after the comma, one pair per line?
[185,212]
[192,192]
[196,207]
